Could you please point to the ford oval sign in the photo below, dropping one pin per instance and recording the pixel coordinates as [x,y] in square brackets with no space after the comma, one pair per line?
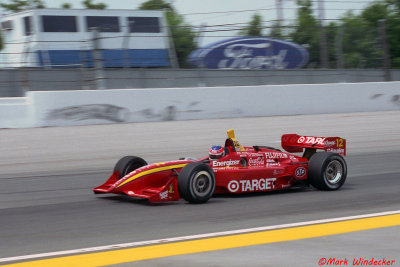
[250,53]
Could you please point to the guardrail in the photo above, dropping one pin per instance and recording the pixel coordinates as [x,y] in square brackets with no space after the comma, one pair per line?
[65,108]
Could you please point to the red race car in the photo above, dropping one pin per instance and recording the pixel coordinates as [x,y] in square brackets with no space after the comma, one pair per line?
[234,169]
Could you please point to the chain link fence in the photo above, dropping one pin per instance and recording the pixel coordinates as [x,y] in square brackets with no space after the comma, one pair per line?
[86,66]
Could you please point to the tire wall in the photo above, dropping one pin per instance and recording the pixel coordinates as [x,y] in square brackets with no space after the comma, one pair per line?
[82,107]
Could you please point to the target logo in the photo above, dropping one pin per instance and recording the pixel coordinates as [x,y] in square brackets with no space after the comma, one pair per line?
[233,186]
[301,139]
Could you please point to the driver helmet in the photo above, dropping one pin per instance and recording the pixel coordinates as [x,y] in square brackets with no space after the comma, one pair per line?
[216,152]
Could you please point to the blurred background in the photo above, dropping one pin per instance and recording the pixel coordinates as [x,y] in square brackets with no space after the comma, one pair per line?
[75,44]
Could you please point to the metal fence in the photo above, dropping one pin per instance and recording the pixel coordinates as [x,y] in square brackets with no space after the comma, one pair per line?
[15,82]
[348,61]
[350,44]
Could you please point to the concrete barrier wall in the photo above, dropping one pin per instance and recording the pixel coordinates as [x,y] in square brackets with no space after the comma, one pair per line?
[16,112]
[62,108]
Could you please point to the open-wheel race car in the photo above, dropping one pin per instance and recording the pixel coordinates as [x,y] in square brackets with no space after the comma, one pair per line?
[233,168]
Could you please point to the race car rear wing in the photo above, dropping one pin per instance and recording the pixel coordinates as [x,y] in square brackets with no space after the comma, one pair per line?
[296,143]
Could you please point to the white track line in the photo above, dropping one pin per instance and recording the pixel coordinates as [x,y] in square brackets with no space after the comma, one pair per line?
[191,237]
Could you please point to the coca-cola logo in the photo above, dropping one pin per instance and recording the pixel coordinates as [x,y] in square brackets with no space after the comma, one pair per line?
[251,53]
[256,161]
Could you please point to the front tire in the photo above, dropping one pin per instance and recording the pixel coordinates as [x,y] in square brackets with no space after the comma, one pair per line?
[327,171]
[196,182]
[128,164]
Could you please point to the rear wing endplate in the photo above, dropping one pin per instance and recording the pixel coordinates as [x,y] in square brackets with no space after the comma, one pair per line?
[294,143]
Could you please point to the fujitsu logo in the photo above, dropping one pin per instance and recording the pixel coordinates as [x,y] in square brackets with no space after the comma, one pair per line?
[276,155]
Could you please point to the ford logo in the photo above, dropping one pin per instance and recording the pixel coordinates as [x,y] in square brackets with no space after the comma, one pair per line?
[250,53]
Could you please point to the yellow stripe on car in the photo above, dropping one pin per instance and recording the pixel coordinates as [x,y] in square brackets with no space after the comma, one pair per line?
[159,169]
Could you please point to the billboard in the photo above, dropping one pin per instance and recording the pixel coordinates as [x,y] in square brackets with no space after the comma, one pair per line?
[250,53]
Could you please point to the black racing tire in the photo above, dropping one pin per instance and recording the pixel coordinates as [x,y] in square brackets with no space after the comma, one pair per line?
[128,164]
[327,171]
[196,183]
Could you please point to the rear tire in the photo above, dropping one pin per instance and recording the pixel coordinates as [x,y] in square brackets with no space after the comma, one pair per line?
[196,182]
[128,164]
[327,171]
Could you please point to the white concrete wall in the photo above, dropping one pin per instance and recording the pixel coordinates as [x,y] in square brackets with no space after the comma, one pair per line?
[15,112]
[61,108]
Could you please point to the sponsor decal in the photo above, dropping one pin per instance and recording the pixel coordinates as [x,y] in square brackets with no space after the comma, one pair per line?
[311,140]
[276,155]
[301,139]
[330,143]
[261,184]
[225,163]
[250,154]
[164,195]
[250,53]
[300,172]
[256,161]
[233,186]
[336,150]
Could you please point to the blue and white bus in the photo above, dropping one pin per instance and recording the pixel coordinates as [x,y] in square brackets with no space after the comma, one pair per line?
[67,37]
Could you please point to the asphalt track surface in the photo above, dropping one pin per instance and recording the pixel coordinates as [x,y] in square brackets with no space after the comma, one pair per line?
[46,203]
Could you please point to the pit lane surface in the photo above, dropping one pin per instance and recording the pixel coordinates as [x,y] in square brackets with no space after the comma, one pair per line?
[47,174]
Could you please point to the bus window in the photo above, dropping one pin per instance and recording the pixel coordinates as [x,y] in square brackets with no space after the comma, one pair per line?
[144,24]
[103,24]
[27,25]
[7,25]
[59,24]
